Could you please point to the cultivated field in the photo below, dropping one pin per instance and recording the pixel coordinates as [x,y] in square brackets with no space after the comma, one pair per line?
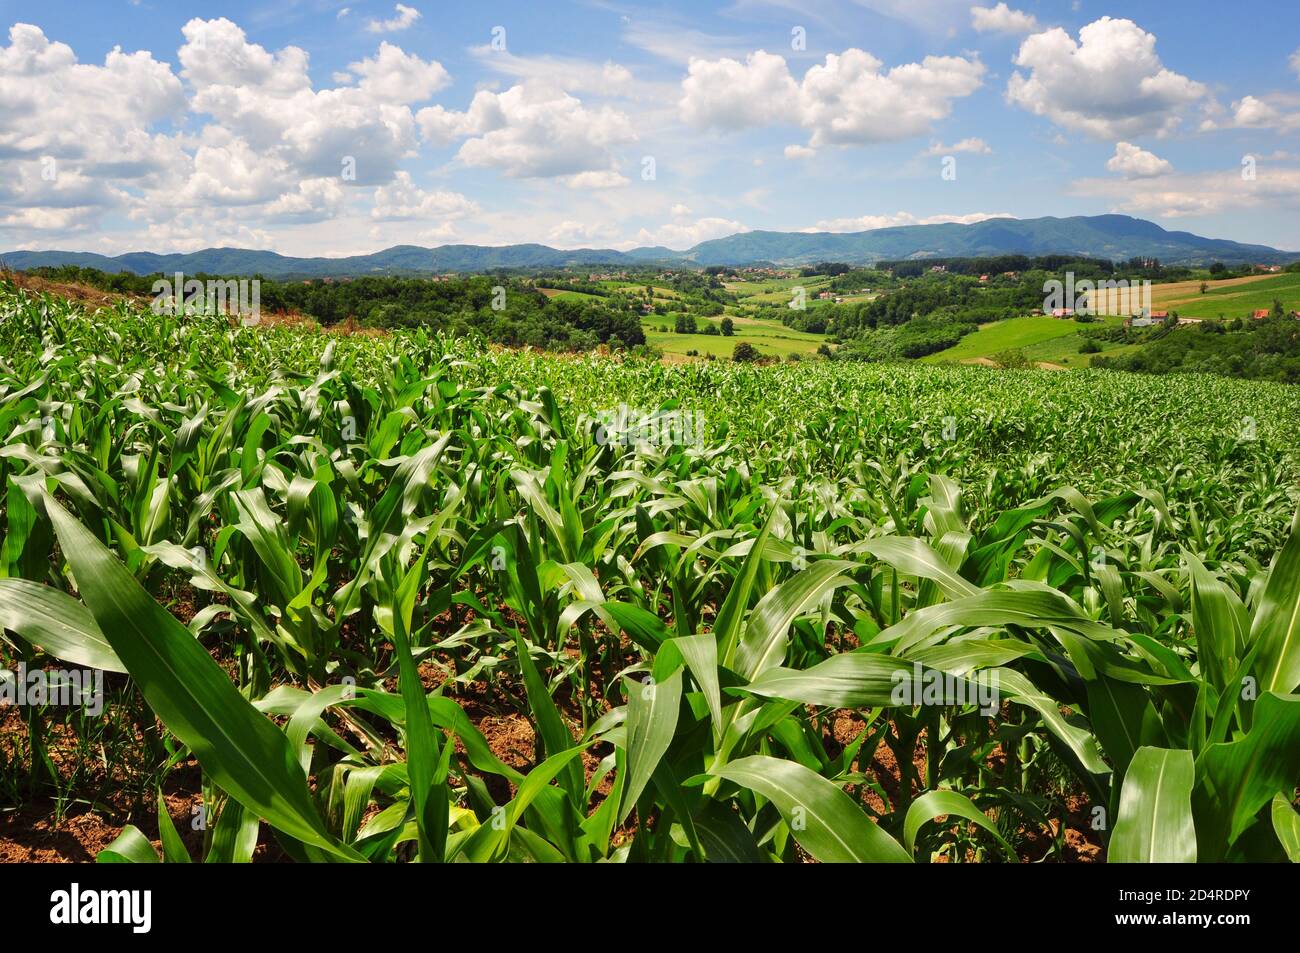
[1237,300]
[770,338]
[563,294]
[777,290]
[1230,298]
[404,598]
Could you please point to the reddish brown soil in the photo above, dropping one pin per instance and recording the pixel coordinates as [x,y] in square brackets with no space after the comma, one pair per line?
[29,836]
[89,298]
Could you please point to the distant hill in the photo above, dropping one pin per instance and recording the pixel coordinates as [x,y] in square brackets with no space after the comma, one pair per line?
[1115,237]
[398,260]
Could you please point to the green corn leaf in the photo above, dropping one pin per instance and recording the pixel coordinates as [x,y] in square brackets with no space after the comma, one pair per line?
[916,557]
[423,753]
[935,804]
[651,721]
[1235,779]
[727,624]
[1155,810]
[234,838]
[174,851]
[550,723]
[1276,628]
[129,847]
[1286,824]
[822,818]
[700,653]
[1217,618]
[849,680]
[766,630]
[244,753]
[57,623]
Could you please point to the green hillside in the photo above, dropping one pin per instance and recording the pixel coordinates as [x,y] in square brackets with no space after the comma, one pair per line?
[1041,338]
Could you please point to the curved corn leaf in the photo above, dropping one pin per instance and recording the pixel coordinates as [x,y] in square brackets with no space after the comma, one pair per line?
[1286,824]
[56,623]
[848,680]
[174,851]
[935,804]
[245,754]
[916,557]
[822,818]
[129,847]
[727,624]
[766,630]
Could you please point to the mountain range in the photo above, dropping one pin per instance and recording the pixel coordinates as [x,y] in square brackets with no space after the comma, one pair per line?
[1114,237]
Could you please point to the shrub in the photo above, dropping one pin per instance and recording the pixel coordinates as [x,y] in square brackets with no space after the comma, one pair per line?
[1012,359]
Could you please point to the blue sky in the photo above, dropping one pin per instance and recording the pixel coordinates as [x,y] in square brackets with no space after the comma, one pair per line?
[328,127]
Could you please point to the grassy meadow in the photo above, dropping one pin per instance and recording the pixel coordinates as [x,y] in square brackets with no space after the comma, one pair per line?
[770,338]
[1041,338]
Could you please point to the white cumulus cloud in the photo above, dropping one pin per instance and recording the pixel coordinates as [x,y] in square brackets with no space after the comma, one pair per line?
[1108,84]
[682,235]
[848,99]
[1002,19]
[973,145]
[596,179]
[268,100]
[74,137]
[406,17]
[403,199]
[314,200]
[394,76]
[532,130]
[1133,162]
[1183,194]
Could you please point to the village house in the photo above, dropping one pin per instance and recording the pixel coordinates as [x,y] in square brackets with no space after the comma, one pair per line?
[1145,320]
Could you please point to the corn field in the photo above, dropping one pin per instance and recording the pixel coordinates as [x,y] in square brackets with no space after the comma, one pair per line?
[818,611]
